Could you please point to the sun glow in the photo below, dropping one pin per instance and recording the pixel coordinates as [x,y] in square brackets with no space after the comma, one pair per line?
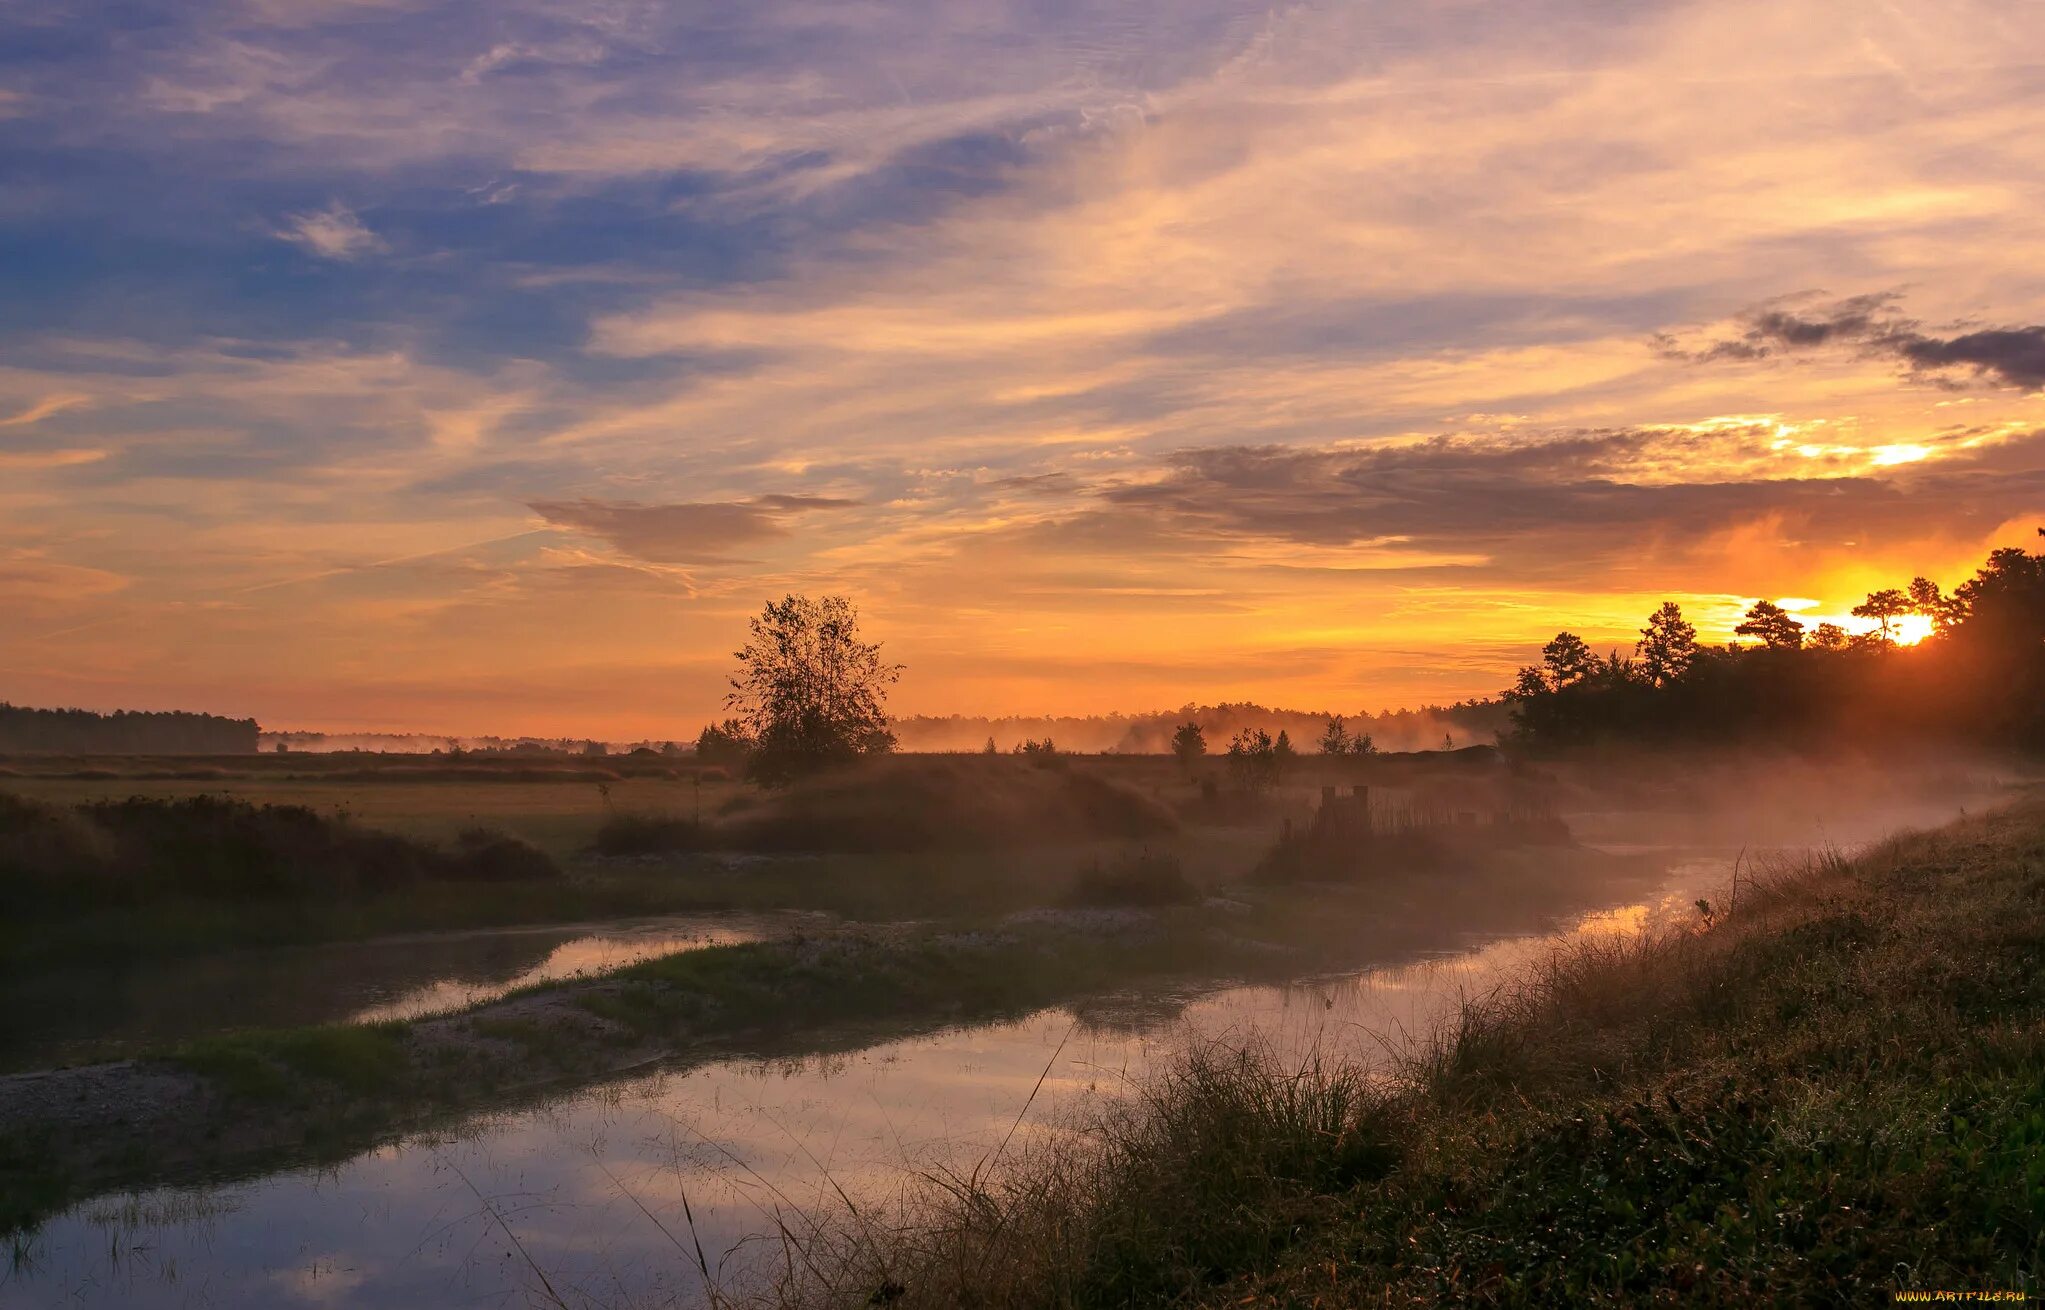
[1905,630]
[1911,629]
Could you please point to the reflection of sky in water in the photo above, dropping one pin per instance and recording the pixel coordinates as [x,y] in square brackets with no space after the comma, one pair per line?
[423,1222]
[105,1012]
[600,951]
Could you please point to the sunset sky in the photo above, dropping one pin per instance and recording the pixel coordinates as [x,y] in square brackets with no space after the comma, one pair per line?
[366,364]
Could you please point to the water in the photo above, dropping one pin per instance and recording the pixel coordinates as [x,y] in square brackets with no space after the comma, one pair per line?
[71,1016]
[481,1216]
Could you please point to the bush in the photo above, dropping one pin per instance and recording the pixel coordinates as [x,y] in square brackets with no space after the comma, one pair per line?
[487,855]
[213,846]
[140,851]
[1136,879]
[47,853]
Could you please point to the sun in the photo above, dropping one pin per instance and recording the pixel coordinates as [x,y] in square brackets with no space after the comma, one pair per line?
[1904,629]
[1910,629]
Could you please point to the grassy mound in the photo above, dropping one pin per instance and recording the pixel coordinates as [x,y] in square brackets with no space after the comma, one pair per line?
[1832,1095]
[948,803]
[208,848]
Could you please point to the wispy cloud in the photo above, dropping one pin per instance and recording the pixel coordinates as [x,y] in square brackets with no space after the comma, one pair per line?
[331,233]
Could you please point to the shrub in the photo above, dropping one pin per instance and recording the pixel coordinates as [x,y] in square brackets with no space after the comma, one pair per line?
[487,855]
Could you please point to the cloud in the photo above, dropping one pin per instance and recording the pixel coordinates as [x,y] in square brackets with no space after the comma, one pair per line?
[1588,508]
[29,578]
[692,533]
[2013,356]
[49,459]
[331,233]
[1873,326]
[43,408]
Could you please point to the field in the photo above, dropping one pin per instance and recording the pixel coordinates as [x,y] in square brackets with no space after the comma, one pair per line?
[819,861]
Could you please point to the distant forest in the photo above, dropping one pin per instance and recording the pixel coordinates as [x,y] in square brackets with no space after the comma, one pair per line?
[1978,678]
[25,731]
[1467,723]
[421,743]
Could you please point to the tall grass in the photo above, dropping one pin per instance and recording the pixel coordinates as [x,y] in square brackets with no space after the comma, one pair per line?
[1211,1167]
[1831,1088]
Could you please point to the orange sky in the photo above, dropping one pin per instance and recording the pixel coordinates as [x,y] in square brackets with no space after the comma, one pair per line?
[1317,357]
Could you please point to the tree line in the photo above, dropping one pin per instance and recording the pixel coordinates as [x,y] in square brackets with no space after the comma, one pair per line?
[1979,675]
[27,731]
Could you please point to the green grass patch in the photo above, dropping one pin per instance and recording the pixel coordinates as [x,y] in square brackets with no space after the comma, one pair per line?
[362,1059]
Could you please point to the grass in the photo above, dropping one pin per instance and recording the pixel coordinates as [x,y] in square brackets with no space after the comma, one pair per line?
[632,833]
[1834,1092]
[1138,878]
[360,1059]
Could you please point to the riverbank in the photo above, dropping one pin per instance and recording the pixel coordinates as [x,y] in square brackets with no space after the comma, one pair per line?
[1831,1090]
[240,1103]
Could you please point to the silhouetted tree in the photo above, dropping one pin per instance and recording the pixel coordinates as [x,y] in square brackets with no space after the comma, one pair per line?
[724,743]
[1568,659]
[1978,675]
[1253,759]
[1668,645]
[1884,607]
[809,692]
[1189,743]
[1829,636]
[1926,599]
[1283,756]
[1361,744]
[1335,737]
[1773,625]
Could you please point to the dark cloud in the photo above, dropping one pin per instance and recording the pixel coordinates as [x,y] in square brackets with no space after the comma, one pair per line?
[1872,325]
[699,532]
[2015,356]
[1574,509]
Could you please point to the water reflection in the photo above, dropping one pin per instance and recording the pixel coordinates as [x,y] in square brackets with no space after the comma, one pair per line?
[588,1193]
[109,1011]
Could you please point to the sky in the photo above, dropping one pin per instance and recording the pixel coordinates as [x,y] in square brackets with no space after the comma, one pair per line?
[369,364]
